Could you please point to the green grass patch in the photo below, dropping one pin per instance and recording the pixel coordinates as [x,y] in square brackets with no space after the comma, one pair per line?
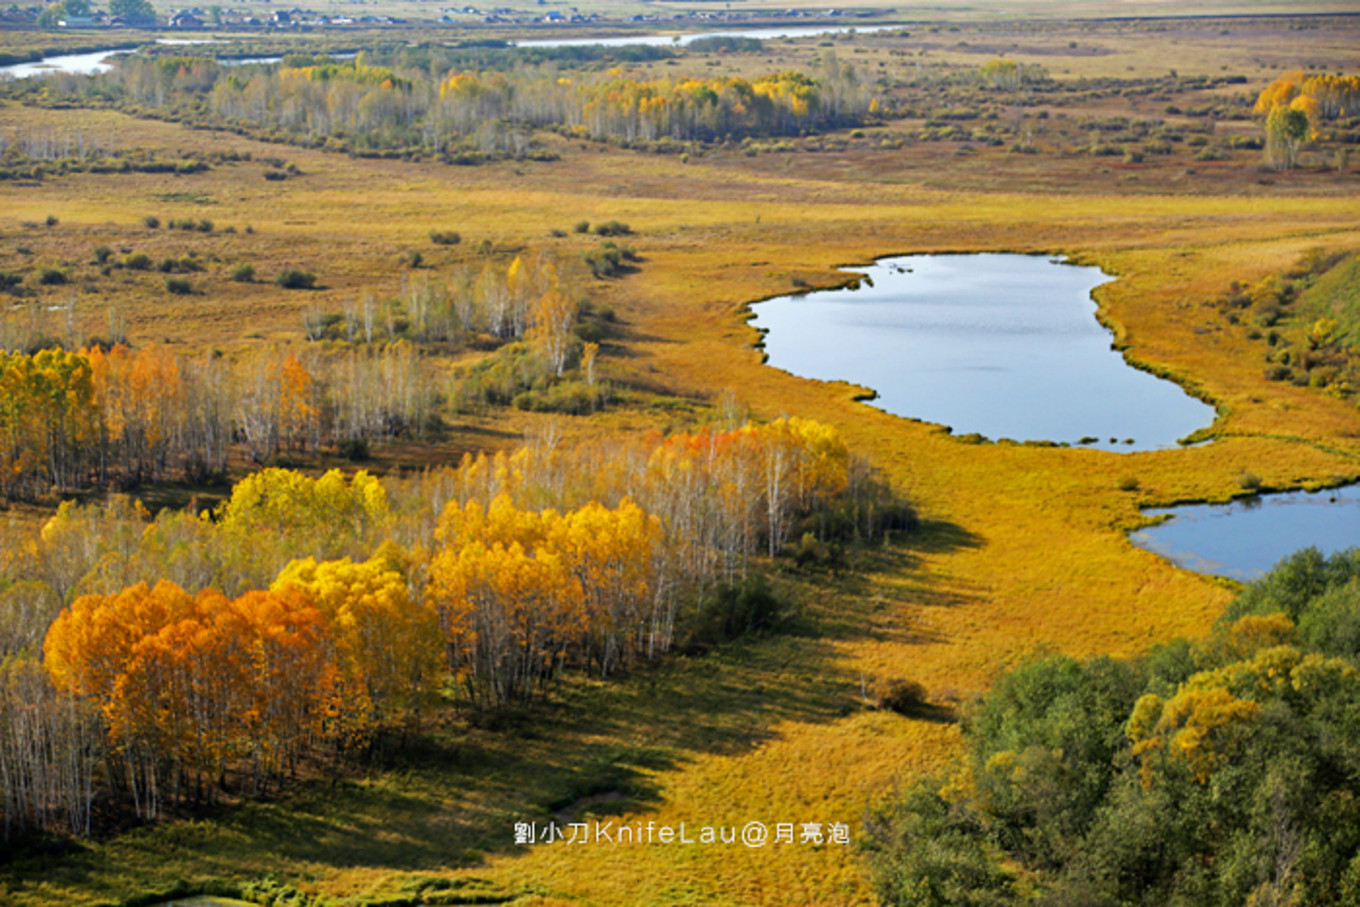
[1336,294]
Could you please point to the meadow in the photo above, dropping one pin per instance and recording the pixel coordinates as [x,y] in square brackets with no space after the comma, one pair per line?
[1020,547]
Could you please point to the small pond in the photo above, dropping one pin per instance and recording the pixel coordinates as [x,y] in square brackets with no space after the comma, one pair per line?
[1244,539]
[1003,345]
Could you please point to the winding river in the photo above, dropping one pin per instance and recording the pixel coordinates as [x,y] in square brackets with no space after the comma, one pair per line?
[89,63]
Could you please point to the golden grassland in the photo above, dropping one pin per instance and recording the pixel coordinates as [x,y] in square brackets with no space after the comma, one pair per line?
[1022,547]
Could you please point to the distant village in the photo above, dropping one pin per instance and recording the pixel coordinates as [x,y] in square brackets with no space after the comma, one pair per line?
[298,19]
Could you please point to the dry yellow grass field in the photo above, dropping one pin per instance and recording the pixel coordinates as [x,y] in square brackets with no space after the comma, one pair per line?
[1022,547]
[1030,548]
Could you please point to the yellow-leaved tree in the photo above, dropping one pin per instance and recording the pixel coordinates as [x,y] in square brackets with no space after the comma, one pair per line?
[275,511]
[522,592]
[388,650]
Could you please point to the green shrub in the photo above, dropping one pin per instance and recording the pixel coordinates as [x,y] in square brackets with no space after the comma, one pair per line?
[734,610]
[354,449]
[725,44]
[573,398]
[499,379]
[137,261]
[609,260]
[52,277]
[611,228]
[179,286]
[151,221]
[905,697]
[582,226]
[102,253]
[811,551]
[52,220]
[293,279]
[182,265]
[445,237]
[243,273]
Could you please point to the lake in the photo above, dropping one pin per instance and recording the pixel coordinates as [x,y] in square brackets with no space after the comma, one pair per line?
[1244,539]
[1000,344]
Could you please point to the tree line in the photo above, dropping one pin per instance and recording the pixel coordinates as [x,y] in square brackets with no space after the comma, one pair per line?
[100,418]
[357,105]
[307,620]
[97,419]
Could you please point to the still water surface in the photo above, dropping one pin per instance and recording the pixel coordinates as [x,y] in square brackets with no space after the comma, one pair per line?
[1003,345]
[1246,538]
[81,64]
[797,31]
[98,61]
[89,63]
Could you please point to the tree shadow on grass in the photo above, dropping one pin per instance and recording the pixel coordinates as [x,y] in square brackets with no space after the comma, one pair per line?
[593,748]
[933,712]
[941,537]
[454,796]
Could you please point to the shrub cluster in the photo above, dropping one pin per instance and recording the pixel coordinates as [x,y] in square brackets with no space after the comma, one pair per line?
[1214,772]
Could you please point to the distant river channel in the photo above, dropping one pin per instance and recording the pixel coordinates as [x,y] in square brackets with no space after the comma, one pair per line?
[99,61]
[90,63]
[1000,344]
[768,34]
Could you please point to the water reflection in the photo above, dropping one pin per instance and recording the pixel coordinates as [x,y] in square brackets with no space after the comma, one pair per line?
[1244,539]
[1003,345]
